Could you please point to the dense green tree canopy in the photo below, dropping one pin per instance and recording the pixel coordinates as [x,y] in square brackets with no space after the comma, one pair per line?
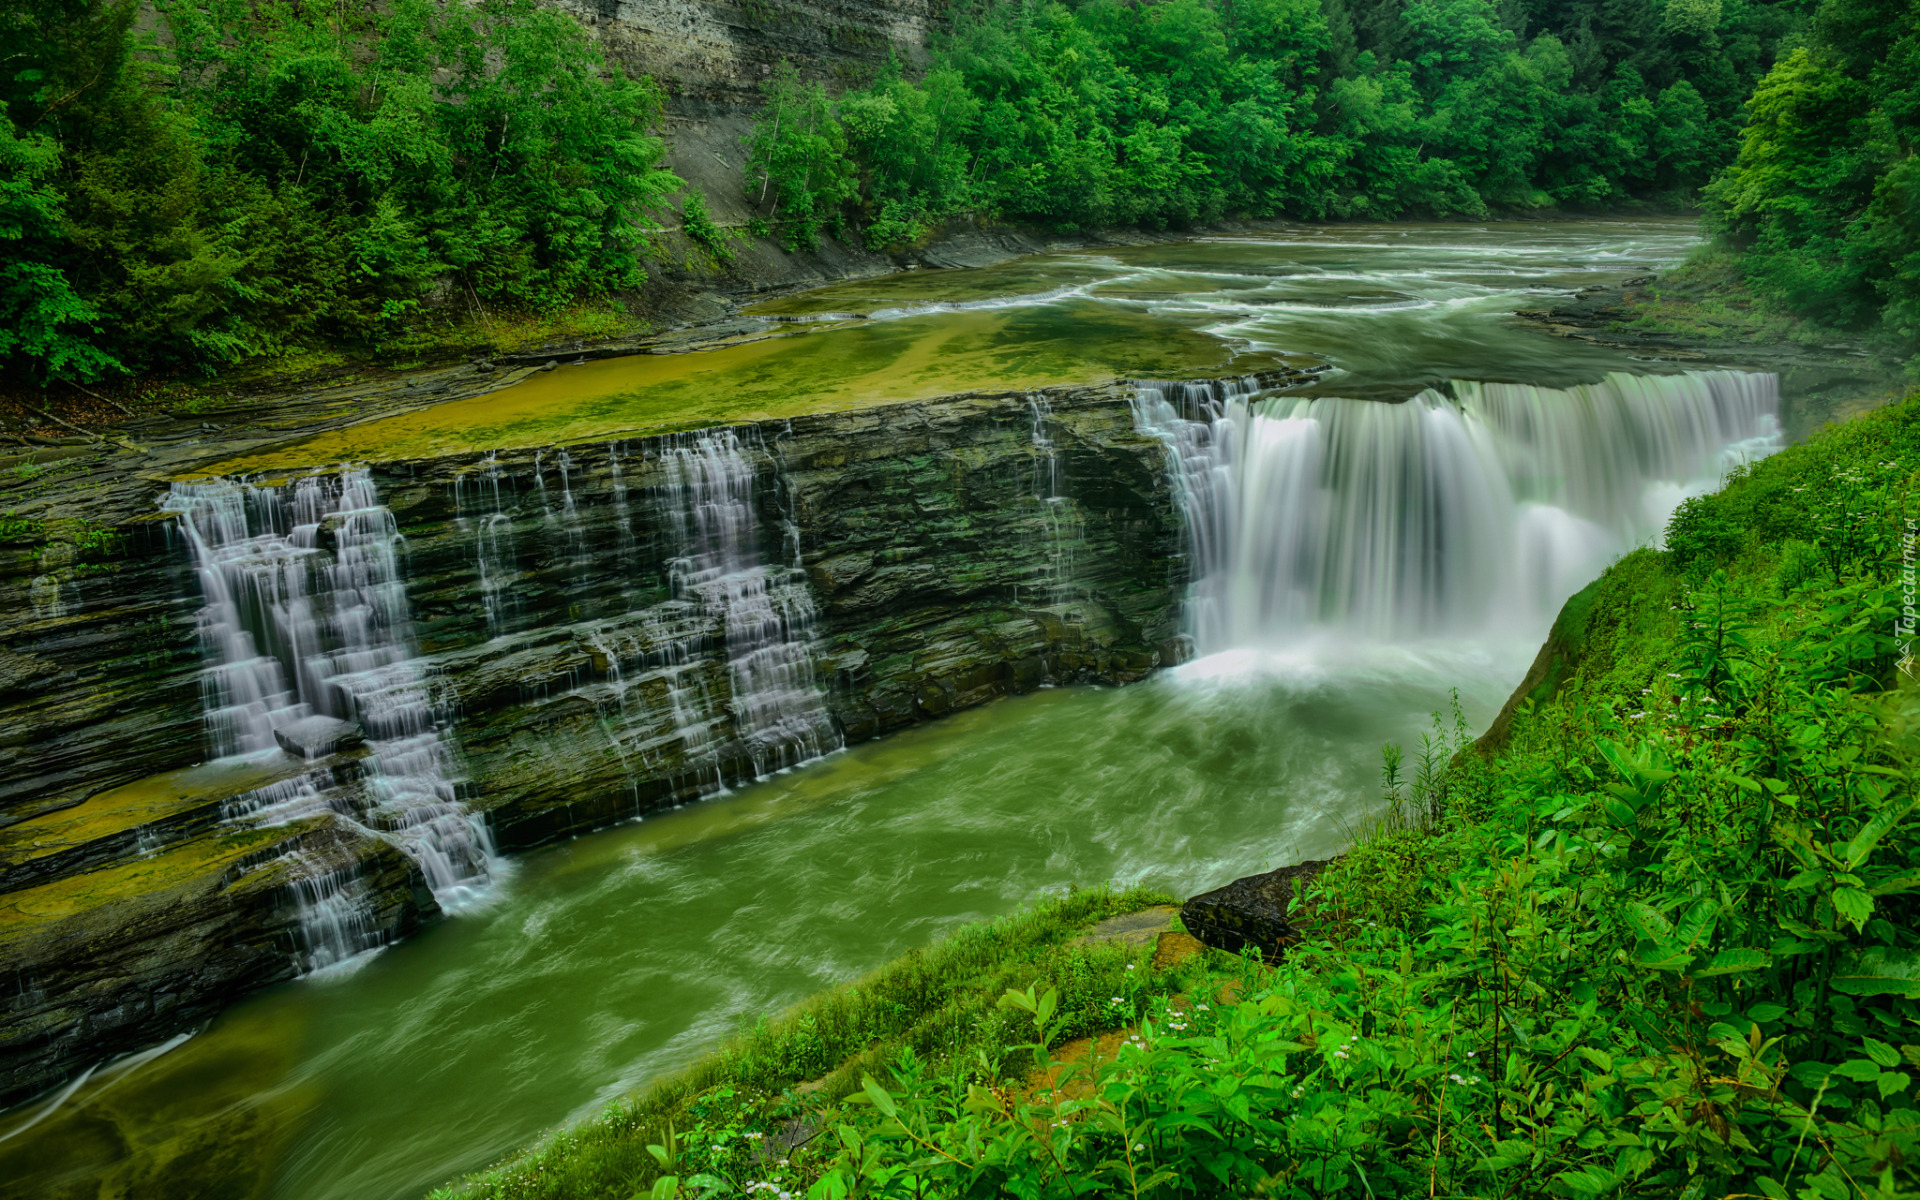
[1825,194]
[274,173]
[1100,112]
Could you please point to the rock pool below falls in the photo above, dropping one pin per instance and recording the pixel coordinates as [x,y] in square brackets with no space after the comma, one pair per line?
[657,620]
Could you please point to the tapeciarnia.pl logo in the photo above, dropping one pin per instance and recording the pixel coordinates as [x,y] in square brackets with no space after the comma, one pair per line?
[1903,628]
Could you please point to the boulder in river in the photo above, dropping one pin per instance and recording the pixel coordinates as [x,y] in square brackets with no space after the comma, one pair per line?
[317,737]
[1252,911]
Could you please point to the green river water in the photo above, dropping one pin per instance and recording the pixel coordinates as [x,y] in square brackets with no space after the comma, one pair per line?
[606,960]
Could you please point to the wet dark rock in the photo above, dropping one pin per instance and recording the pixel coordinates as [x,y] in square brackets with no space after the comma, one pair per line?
[1251,911]
[317,737]
[938,575]
[104,963]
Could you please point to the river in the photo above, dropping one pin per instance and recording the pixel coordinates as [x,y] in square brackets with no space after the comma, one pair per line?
[599,963]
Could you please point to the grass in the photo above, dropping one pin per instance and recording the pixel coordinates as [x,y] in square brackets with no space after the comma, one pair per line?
[460,335]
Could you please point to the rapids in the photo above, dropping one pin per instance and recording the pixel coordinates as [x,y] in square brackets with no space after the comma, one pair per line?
[1393,308]
[1353,563]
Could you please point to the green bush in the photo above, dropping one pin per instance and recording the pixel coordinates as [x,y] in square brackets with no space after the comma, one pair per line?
[1825,193]
[1102,113]
[700,228]
[1701,532]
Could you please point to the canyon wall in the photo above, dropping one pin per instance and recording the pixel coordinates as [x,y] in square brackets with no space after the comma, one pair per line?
[600,634]
[710,56]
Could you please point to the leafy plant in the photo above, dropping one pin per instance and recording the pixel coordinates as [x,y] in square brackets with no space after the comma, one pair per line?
[700,227]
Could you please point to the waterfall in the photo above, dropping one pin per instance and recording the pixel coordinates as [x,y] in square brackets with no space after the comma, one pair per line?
[1194,422]
[335,922]
[778,708]
[306,616]
[667,649]
[1473,515]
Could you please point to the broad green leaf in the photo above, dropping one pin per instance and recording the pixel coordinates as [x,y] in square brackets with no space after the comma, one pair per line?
[1590,1181]
[1658,956]
[1648,922]
[1853,904]
[1880,971]
[1766,1012]
[1870,834]
[1735,960]
[877,1094]
[1892,1082]
[1621,813]
[1696,926]
[1860,1070]
[1910,881]
[1880,1052]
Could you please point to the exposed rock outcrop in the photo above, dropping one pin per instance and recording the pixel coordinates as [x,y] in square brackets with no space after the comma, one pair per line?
[1253,911]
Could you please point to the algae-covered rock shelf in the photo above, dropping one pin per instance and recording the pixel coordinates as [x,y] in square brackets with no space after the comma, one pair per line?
[593,632]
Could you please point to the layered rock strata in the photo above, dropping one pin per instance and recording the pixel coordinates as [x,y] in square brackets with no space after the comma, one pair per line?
[895,563]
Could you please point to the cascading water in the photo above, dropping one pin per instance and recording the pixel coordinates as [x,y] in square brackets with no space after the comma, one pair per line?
[336,923]
[493,546]
[1060,526]
[305,615]
[778,708]
[1192,421]
[1437,516]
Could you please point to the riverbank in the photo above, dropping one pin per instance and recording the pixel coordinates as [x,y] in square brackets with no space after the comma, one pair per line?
[1702,312]
[688,305]
[1659,934]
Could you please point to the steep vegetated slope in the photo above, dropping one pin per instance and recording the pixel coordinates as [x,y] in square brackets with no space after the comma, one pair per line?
[1824,199]
[1656,936]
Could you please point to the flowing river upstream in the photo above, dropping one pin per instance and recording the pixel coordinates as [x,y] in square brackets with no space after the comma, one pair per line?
[1352,563]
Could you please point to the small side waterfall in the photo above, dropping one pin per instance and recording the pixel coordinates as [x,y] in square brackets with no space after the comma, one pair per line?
[778,708]
[492,531]
[335,924]
[306,616]
[1060,527]
[1437,516]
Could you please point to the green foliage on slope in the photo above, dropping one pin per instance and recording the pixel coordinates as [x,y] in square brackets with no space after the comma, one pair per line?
[1824,197]
[1665,943]
[1100,113]
[269,175]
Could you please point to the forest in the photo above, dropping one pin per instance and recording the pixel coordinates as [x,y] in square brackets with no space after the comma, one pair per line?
[236,178]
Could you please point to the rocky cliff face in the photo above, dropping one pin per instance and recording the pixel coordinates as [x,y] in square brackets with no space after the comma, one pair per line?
[710,56]
[604,629]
